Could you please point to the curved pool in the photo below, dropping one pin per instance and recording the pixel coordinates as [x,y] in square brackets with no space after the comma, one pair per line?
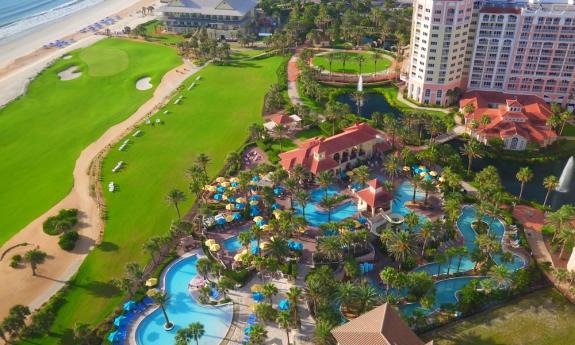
[183,310]
[316,217]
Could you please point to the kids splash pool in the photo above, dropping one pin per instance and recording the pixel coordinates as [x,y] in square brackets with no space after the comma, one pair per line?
[182,310]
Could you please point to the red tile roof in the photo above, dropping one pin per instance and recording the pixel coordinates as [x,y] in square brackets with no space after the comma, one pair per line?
[349,138]
[380,326]
[281,119]
[534,114]
[375,195]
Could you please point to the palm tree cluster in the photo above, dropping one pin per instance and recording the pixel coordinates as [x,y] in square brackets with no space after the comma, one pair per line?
[14,324]
[562,226]
[201,46]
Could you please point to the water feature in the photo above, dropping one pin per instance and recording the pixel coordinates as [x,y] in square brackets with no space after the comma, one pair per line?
[371,102]
[183,310]
[534,189]
[566,178]
[316,216]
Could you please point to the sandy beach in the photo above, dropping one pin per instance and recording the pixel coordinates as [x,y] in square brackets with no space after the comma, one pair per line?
[21,60]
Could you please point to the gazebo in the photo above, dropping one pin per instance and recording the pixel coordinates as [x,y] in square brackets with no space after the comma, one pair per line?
[374,197]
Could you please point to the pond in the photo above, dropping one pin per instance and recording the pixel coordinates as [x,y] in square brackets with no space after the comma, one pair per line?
[534,189]
[372,102]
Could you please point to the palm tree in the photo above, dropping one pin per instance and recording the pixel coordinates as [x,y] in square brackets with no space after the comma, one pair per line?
[330,246]
[346,294]
[426,233]
[294,295]
[450,253]
[161,299]
[564,116]
[280,132]
[427,186]
[325,179]
[472,150]
[293,188]
[303,199]
[194,331]
[484,120]
[566,235]
[550,183]
[461,252]
[174,198]
[367,297]
[269,290]
[500,275]
[391,166]
[401,247]
[389,277]
[361,175]
[559,218]
[204,267]
[258,335]
[202,160]
[322,333]
[360,61]
[411,220]
[376,57]
[329,203]
[284,321]
[330,58]
[415,180]
[344,57]
[35,257]
[440,259]
[524,175]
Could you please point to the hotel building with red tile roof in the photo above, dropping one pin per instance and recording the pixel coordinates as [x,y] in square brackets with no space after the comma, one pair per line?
[337,153]
[515,119]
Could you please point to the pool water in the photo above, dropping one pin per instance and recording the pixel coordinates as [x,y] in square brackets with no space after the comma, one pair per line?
[403,194]
[233,244]
[316,217]
[183,310]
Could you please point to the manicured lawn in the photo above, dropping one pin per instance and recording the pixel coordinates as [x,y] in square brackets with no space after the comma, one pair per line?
[44,131]
[212,118]
[542,318]
[351,64]
[390,93]
[238,52]
[309,133]
[151,28]
[569,130]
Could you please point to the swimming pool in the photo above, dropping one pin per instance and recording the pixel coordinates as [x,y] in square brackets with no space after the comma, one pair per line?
[316,217]
[233,244]
[403,194]
[183,310]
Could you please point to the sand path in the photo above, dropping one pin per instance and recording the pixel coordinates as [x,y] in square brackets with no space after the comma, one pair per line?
[18,285]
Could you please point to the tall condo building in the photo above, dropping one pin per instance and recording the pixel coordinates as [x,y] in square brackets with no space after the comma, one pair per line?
[515,47]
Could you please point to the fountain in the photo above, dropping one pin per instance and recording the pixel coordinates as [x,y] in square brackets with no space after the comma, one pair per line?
[566,176]
[360,84]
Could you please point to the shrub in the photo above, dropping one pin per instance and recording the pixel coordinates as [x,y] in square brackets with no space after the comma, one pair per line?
[63,221]
[16,260]
[68,240]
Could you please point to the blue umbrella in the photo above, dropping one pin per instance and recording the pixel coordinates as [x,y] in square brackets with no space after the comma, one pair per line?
[237,216]
[129,305]
[221,189]
[258,296]
[362,220]
[221,221]
[254,198]
[255,250]
[240,206]
[217,196]
[276,206]
[260,222]
[235,184]
[114,336]
[283,305]
[120,321]
[278,190]
[231,199]
[247,330]
[256,178]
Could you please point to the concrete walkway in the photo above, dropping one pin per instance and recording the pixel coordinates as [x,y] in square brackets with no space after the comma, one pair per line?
[414,106]
[293,73]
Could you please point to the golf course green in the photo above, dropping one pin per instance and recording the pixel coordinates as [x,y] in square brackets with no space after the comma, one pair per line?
[44,131]
[369,64]
[212,118]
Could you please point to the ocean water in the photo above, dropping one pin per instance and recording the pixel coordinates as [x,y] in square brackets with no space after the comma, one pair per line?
[22,16]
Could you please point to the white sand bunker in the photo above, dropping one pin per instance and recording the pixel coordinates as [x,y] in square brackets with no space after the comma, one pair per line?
[67,57]
[144,84]
[69,73]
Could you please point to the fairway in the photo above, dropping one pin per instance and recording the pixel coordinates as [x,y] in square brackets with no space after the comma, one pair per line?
[44,131]
[352,63]
[212,118]
[541,318]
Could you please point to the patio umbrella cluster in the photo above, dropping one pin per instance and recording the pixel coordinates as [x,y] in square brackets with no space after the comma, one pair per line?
[131,311]
[422,171]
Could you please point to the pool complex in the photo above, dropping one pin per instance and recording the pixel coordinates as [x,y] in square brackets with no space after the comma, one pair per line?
[182,310]
[233,244]
[316,217]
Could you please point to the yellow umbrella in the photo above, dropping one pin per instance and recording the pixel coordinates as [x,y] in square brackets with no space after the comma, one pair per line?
[257,288]
[258,219]
[422,174]
[253,202]
[215,247]
[225,184]
[220,179]
[208,187]
[264,245]
[244,252]
[241,200]
[349,173]
[433,173]
[152,282]
[229,218]
[441,179]
[422,167]
[277,213]
[234,179]
[238,257]
[252,183]
[301,229]
[152,292]
[253,307]
[406,168]
[209,242]
[265,227]
[230,207]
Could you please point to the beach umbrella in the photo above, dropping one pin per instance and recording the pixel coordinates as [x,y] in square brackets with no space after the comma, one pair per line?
[220,179]
[225,184]
[258,296]
[220,189]
[276,206]
[129,305]
[225,197]
[241,200]
[210,242]
[240,206]
[208,187]
[349,173]
[257,288]
[258,218]
[152,292]
[152,282]
[230,207]
[253,202]
[277,213]
[406,168]
[256,178]
[230,218]
[253,307]
[234,180]
[423,174]
[120,321]
[114,336]
[264,245]
[247,330]
[217,196]
[255,250]
[441,179]
[238,257]
[244,252]
[236,216]
[265,227]
[278,190]
[261,223]
[215,247]
[433,173]
[283,305]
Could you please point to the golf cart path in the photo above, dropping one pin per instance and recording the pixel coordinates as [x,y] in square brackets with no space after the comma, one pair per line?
[18,285]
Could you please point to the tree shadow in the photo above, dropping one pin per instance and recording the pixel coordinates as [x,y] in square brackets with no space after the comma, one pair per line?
[100,289]
[108,247]
[240,64]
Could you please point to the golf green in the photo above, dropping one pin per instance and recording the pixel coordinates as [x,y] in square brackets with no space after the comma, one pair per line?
[212,118]
[371,62]
[44,131]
